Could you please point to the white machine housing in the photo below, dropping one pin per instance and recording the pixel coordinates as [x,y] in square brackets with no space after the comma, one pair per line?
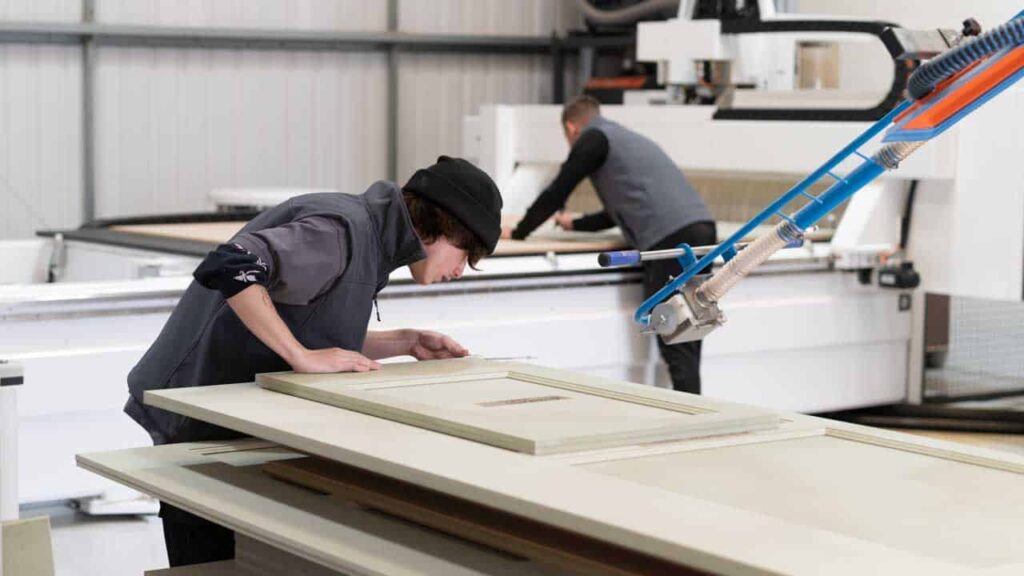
[770,62]
[805,334]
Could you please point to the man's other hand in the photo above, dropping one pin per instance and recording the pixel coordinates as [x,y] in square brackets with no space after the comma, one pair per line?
[327,360]
[564,220]
[428,345]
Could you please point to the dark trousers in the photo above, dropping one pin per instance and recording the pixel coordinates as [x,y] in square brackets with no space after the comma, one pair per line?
[193,540]
[683,359]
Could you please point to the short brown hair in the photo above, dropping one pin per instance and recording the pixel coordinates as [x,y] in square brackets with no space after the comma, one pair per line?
[432,222]
[581,109]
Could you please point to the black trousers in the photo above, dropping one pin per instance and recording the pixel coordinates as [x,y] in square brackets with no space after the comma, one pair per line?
[683,359]
[193,540]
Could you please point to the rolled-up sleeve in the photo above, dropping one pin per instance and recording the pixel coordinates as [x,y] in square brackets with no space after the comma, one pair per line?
[231,268]
[303,258]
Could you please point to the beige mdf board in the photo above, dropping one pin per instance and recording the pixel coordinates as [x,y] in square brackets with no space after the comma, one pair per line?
[532,246]
[948,505]
[484,525]
[212,232]
[27,547]
[224,483]
[521,407]
[570,490]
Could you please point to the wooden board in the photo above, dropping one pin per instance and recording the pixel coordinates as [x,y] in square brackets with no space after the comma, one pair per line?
[568,244]
[482,524]
[239,495]
[225,568]
[560,490]
[944,508]
[252,558]
[213,232]
[542,243]
[1005,442]
[521,407]
[258,559]
[27,548]
[545,240]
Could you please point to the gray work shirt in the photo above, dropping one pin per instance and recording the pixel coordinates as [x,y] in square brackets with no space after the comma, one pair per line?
[303,258]
[328,255]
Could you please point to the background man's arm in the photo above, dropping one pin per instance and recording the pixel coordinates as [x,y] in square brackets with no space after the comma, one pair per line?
[593,222]
[586,156]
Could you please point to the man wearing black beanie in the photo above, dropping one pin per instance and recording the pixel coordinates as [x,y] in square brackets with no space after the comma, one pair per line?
[295,289]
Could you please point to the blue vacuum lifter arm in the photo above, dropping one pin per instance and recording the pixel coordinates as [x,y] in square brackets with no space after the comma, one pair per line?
[942,91]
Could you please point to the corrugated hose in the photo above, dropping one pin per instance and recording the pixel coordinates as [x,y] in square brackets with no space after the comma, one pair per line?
[934,71]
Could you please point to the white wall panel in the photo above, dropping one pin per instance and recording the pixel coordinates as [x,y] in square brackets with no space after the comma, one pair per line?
[917,13]
[491,17]
[40,138]
[41,10]
[297,14]
[174,124]
[437,91]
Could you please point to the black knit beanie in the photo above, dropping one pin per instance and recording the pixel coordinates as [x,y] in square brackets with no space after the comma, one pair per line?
[465,191]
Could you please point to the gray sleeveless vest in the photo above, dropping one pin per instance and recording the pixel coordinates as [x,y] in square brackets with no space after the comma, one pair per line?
[642,190]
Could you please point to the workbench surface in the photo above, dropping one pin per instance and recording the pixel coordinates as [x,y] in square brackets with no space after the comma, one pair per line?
[810,497]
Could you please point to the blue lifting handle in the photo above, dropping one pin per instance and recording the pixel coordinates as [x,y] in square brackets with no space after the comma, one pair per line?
[631,257]
[618,258]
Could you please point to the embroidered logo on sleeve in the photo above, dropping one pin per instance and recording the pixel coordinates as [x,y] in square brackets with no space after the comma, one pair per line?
[247,276]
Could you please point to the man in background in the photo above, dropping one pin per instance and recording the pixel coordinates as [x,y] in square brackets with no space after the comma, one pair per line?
[643,192]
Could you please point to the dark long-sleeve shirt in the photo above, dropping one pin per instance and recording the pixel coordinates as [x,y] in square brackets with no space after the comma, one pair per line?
[587,155]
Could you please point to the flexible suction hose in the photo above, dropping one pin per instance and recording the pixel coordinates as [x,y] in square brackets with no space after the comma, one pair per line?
[751,257]
[934,71]
[627,15]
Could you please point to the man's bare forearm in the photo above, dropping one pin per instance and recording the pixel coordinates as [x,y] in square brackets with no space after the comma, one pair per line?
[388,343]
[256,310]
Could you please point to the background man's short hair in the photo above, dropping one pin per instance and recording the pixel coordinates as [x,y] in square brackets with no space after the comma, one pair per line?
[581,108]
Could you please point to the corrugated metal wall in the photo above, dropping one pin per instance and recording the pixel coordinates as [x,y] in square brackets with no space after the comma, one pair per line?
[41,10]
[492,17]
[172,124]
[40,127]
[916,13]
[287,14]
[436,91]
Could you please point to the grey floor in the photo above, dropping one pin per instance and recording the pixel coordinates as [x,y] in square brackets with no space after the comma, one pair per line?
[109,546]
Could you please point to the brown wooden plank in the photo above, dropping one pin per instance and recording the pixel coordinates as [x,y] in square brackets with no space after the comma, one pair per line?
[474,522]
[222,568]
